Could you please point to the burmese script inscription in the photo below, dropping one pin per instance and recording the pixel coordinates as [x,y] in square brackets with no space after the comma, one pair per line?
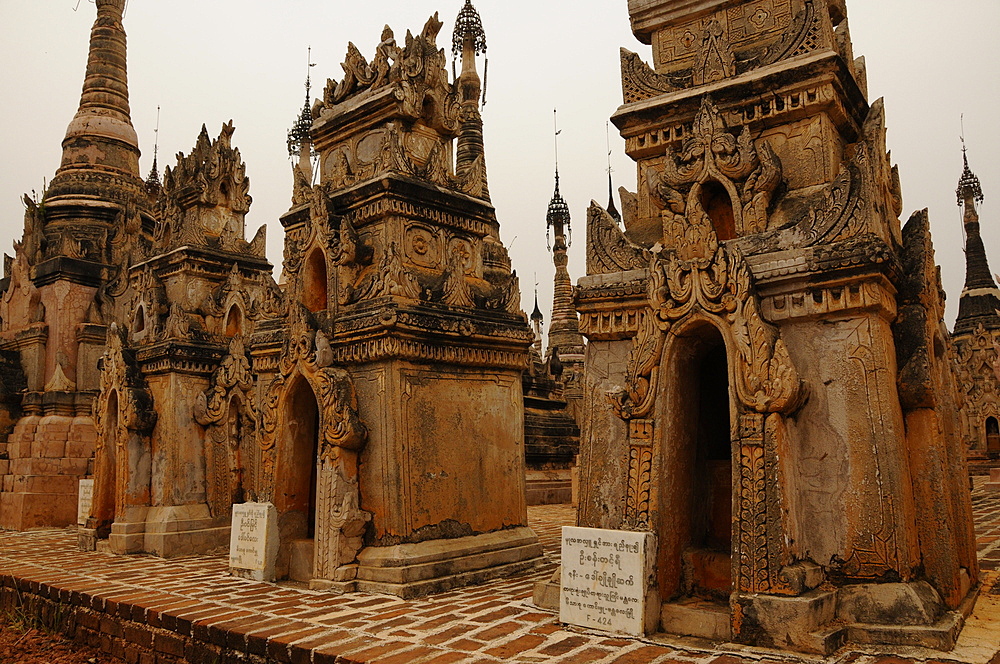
[84,500]
[253,539]
[604,579]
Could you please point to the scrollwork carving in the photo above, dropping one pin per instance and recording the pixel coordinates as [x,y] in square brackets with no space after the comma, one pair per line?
[608,250]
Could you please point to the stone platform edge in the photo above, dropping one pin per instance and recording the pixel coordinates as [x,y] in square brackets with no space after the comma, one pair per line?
[151,627]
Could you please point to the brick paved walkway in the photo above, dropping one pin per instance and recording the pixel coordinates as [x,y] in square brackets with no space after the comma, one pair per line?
[986,512]
[147,610]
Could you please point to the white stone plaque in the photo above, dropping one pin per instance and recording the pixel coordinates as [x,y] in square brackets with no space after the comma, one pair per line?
[253,541]
[84,500]
[606,575]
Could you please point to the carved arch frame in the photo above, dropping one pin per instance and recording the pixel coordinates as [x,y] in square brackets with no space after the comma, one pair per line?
[123,450]
[340,523]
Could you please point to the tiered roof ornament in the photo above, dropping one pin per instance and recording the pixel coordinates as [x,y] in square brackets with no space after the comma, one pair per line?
[468,24]
[299,134]
[557,215]
[969,187]
[980,298]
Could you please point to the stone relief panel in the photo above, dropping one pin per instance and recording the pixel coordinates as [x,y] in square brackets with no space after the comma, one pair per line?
[442,465]
[724,44]
[228,412]
[423,247]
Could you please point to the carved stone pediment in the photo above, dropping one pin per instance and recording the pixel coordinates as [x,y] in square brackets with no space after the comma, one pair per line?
[415,72]
[713,156]
[205,198]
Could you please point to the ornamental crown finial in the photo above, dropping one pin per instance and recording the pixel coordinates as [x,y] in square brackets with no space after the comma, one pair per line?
[468,24]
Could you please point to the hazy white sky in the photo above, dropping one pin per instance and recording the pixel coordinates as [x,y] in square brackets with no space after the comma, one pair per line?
[211,61]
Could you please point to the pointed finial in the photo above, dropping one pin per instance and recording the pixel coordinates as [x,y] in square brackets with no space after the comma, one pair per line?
[468,25]
[612,210]
[969,186]
[299,134]
[153,179]
[309,65]
[556,131]
[536,314]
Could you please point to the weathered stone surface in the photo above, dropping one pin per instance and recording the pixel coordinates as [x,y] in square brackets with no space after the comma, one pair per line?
[767,387]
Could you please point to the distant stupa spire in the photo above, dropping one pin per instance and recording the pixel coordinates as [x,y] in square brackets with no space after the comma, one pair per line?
[612,210]
[153,179]
[101,137]
[980,298]
[564,325]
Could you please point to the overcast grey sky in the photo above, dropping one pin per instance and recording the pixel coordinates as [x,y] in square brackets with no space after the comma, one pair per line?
[208,61]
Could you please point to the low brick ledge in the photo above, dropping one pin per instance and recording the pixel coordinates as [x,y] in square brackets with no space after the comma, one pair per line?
[151,627]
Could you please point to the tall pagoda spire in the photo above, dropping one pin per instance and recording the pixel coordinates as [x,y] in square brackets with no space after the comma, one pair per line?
[980,298]
[564,326]
[469,41]
[101,138]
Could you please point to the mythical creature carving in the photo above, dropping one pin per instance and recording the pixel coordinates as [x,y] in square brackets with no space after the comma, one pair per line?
[712,154]
[388,277]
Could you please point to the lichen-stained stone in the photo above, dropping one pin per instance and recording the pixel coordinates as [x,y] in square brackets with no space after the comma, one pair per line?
[767,382]
[394,366]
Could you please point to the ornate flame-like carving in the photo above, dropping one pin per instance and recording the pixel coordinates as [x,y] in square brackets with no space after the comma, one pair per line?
[608,250]
[713,154]
[206,197]
[417,71]
[718,288]
[228,412]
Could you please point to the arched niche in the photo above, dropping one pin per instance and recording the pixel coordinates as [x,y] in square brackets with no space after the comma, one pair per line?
[295,476]
[234,321]
[696,492]
[314,281]
[718,205]
[140,320]
[992,427]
